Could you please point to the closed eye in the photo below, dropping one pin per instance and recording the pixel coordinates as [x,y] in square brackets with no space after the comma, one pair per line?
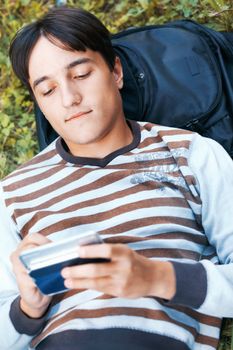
[82,76]
[48,92]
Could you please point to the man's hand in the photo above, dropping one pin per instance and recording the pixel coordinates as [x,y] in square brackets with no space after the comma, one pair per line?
[33,302]
[128,274]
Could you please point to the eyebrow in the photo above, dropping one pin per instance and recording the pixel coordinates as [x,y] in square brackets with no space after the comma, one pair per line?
[69,66]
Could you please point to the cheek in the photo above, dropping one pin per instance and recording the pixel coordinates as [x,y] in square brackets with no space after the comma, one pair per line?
[101,88]
[104,95]
[50,107]
[42,103]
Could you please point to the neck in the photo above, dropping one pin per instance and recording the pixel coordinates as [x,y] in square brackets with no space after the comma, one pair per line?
[118,137]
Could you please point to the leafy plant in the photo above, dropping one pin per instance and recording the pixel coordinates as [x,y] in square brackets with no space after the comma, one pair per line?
[18,140]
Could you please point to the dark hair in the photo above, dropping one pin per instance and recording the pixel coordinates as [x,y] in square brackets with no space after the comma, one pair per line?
[69,28]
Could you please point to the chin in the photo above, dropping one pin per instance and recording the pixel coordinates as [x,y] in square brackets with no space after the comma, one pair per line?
[84,140]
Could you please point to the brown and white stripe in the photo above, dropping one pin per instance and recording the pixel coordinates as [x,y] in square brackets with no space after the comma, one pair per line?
[145,198]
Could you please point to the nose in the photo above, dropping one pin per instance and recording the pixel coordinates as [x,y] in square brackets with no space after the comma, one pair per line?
[70,96]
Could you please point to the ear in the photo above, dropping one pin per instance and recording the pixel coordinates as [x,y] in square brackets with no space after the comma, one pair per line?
[118,73]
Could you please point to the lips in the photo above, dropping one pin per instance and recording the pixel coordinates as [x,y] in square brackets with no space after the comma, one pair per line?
[77,115]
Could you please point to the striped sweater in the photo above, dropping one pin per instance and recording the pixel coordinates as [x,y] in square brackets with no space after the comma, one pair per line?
[151,195]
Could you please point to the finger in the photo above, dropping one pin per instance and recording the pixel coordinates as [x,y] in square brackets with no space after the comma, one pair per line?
[23,277]
[104,250]
[32,240]
[27,280]
[16,262]
[101,284]
[89,270]
[18,268]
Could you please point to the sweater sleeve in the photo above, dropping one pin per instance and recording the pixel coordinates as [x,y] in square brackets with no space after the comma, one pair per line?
[10,338]
[206,286]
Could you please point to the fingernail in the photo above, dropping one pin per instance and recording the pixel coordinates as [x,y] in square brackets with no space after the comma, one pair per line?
[65,272]
[68,283]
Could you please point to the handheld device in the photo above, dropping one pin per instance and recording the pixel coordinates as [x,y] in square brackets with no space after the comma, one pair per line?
[44,263]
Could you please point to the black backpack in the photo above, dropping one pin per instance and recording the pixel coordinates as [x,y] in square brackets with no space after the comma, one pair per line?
[178,74]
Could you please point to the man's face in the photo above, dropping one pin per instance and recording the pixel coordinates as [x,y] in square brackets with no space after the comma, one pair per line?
[77,92]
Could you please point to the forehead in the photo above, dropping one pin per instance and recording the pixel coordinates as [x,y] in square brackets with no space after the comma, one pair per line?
[49,59]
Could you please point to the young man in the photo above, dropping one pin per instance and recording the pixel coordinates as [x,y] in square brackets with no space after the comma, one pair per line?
[160,197]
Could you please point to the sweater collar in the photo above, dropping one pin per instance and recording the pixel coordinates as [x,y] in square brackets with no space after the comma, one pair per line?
[63,150]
